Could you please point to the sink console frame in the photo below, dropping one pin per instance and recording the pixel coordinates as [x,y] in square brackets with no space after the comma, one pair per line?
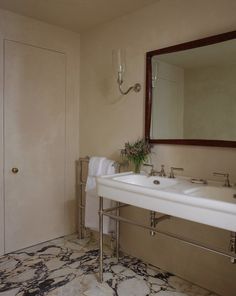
[109,212]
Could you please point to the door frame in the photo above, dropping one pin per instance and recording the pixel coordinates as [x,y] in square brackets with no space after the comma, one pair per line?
[2,200]
[55,39]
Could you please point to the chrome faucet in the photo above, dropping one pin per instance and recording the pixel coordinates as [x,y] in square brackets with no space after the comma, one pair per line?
[148,165]
[172,169]
[226,175]
[153,172]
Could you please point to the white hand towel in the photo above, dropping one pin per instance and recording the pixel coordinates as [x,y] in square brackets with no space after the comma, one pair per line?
[95,169]
[97,166]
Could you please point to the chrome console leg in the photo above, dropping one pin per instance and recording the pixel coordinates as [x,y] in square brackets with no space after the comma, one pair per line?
[117,233]
[232,246]
[152,222]
[101,239]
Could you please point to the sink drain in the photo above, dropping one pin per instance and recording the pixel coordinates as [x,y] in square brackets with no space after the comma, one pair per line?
[156,182]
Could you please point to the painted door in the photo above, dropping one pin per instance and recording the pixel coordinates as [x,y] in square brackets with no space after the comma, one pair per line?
[34,143]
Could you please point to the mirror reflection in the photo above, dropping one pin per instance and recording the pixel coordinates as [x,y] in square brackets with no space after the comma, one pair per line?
[194,93]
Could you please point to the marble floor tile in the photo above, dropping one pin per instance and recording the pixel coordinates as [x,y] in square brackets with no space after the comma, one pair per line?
[68,266]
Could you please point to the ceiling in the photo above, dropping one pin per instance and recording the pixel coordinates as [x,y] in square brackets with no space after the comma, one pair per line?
[75,15]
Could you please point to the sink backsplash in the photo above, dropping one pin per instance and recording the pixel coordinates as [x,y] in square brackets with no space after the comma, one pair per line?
[199,162]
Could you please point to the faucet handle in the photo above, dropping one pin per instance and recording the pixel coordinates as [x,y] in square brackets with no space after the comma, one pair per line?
[162,172]
[226,175]
[172,169]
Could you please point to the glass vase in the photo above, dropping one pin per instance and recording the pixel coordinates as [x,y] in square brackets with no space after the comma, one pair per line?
[137,167]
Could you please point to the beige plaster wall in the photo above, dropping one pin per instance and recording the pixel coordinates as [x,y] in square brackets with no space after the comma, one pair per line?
[209,103]
[168,94]
[107,120]
[26,30]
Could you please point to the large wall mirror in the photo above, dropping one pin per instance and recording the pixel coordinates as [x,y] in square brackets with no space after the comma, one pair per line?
[191,93]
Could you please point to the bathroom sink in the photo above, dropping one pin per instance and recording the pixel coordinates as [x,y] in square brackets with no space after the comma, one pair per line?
[146,181]
[211,204]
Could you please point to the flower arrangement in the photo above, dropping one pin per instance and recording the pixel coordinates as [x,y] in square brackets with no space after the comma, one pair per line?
[137,153]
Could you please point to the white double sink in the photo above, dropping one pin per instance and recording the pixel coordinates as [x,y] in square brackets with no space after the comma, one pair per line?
[210,204]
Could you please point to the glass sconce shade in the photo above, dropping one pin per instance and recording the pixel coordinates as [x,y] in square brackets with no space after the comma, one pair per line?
[155,66]
[118,61]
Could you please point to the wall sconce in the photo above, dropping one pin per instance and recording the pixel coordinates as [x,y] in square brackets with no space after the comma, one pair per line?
[118,61]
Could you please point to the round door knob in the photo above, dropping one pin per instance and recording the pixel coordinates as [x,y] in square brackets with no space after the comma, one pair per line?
[15,170]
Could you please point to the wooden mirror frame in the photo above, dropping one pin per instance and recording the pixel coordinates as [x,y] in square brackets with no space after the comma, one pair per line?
[148,102]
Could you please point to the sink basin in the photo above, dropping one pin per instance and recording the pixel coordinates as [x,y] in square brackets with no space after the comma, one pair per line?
[217,193]
[146,181]
[211,204]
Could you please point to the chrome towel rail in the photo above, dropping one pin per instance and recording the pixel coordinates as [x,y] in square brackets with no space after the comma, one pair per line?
[81,178]
[81,165]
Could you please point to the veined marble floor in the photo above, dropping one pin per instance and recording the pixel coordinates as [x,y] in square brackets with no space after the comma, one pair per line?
[68,266]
